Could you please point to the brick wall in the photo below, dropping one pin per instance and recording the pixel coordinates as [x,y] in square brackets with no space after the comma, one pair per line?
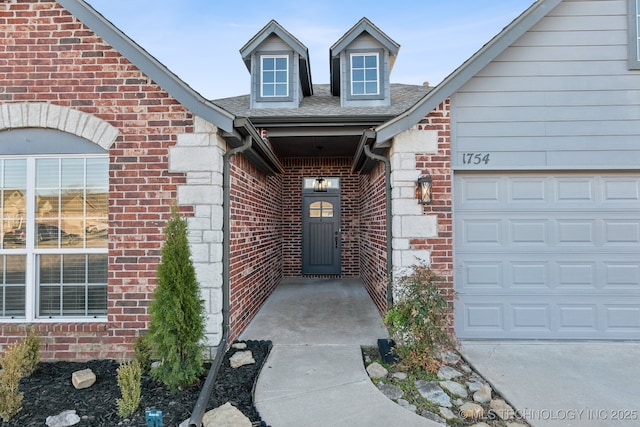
[296,169]
[373,235]
[47,56]
[438,164]
[256,264]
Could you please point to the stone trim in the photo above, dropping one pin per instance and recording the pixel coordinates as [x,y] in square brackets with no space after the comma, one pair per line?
[200,156]
[51,116]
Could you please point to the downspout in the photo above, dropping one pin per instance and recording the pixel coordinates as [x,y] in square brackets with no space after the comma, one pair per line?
[388,216]
[201,405]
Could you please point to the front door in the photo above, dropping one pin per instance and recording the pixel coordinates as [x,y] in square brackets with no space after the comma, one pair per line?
[321,240]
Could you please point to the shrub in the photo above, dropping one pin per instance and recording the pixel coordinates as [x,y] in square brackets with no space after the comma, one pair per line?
[32,352]
[142,353]
[419,320]
[176,330]
[12,363]
[129,376]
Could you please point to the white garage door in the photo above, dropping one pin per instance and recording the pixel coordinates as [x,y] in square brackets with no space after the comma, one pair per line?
[547,255]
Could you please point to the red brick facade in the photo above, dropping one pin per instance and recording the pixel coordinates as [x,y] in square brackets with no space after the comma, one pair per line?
[439,166]
[296,169]
[256,257]
[47,55]
[373,236]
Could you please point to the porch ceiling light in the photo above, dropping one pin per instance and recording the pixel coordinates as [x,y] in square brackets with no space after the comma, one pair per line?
[425,184]
[320,185]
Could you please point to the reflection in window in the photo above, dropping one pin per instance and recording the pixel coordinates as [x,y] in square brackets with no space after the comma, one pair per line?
[13,187]
[54,229]
[71,203]
[321,209]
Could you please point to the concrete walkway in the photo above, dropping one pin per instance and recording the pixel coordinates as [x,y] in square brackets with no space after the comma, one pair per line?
[314,375]
[563,383]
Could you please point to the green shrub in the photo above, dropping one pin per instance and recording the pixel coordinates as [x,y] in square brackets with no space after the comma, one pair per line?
[12,363]
[32,352]
[176,330]
[129,376]
[420,319]
[142,353]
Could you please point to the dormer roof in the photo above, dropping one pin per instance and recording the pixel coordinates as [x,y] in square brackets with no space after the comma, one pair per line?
[274,28]
[362,26]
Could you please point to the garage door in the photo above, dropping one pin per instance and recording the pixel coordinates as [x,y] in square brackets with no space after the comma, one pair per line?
[549,256]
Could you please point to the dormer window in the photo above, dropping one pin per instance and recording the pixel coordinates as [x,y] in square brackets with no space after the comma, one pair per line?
[275,76]
[365,72]
[361,62]
[279,67]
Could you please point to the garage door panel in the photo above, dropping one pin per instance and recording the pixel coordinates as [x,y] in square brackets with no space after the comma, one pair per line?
[621,232]
[536,318]
[547,256]
[540,272]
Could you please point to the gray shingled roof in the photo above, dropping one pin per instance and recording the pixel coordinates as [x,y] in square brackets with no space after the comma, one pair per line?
[323,104]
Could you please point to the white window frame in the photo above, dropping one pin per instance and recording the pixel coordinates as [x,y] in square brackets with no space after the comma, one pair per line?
[365,81]
[275,70]
[32,252]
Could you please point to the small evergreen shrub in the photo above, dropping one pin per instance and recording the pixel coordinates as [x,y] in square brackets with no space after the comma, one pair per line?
[32,352]
[142,353]
[129,377]
[176,330]
[420,319]
[12,363]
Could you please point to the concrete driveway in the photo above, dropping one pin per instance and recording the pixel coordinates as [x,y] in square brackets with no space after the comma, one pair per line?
[563,383]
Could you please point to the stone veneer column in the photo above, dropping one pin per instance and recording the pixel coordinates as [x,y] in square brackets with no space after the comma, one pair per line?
[200,156]
[409,221]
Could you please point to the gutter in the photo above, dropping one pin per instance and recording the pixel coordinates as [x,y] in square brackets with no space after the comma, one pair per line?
[201,405]
[389,214]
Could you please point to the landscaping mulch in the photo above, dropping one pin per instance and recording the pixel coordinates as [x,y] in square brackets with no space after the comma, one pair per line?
[49,391]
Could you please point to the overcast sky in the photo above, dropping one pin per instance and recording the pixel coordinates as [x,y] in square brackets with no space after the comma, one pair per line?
[199,40]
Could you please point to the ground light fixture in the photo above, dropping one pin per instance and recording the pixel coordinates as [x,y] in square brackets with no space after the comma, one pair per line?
[424,189]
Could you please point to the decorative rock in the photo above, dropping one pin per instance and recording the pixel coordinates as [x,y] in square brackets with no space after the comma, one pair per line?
[239,346]
[63,419]
[83,379]
[447,414]
[431,391]
[471,410]
[376,370]
[483,395]
[391,391]
[502,409]
[458,402]
[454,388]
[155,364]
[399,376]
[241,358]
[474,386]
[433,417]
[465,368]
[408,406]
[449,357]
[225,416]
[448,373]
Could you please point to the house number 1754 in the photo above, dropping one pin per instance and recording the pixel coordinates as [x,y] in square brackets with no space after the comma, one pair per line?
[475,158]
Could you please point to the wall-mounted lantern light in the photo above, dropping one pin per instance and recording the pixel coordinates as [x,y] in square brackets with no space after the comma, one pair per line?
[425,184]
[320,185]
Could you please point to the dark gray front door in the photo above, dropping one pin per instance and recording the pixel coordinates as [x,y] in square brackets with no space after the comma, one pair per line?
[321,240]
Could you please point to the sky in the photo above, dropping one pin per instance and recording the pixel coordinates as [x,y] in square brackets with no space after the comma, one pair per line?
[199,40]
